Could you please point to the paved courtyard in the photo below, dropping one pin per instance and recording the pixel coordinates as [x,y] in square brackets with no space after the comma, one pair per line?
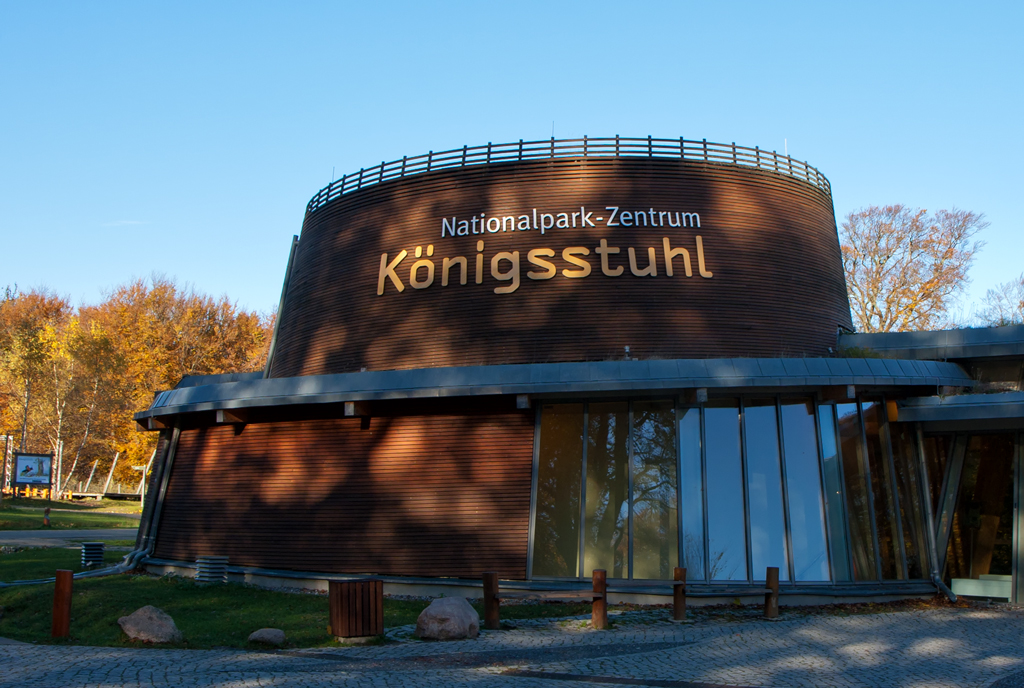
[933,647]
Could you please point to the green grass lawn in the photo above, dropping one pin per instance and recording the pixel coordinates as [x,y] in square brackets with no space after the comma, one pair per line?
[16,518]
[121,506]
[31,564]
[208,616]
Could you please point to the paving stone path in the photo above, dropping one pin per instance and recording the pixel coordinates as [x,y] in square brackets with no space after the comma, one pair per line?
[937,647]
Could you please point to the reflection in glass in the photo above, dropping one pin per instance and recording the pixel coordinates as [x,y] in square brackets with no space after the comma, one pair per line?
[727,548]
[693,493]
[937,449]
[655,519]
[858,505]
[606,541]
[764,488]
[832,470]
[803,483]
[882,491]
[904,460]
[556,535]
[981,540]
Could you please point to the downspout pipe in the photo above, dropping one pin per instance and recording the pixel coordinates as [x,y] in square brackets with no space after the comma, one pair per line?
[147,529]
[930,516]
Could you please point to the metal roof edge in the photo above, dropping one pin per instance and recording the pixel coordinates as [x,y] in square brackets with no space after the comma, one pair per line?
[537,378]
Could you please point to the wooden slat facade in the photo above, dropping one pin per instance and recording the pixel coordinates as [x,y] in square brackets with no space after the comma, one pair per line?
[417,493]
[770,240]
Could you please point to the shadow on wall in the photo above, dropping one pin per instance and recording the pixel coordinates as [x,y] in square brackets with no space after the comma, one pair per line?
[770,243]
[416,495]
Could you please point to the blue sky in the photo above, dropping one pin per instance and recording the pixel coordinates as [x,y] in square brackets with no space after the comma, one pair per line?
[186,138]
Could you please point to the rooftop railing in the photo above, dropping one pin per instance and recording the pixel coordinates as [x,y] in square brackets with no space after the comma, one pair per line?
[617,147]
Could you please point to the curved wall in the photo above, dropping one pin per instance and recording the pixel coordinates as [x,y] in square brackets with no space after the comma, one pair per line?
[772,282]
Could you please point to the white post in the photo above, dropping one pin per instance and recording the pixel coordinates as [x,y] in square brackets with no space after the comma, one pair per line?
[110,475]
[91,473]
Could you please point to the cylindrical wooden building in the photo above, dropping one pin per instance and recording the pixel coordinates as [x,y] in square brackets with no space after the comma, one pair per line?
[545,358]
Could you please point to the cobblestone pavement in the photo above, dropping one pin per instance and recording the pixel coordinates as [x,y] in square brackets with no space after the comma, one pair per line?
[936,647]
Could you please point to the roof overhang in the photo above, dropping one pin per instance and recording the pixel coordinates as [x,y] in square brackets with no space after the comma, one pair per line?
[963,407]
[552,379]
[942,345]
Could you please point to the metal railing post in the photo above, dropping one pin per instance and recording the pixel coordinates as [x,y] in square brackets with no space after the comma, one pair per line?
[567,148]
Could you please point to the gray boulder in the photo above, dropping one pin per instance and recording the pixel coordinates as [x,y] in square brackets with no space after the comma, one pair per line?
[268,636]
[448,618]
[150,625]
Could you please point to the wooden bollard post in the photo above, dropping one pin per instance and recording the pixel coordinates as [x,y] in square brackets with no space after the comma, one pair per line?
[679,595]
[599,613]
[62,604]
[492,604]
[771,595]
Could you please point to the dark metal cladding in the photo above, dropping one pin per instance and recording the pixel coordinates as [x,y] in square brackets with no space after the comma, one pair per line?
[769,240]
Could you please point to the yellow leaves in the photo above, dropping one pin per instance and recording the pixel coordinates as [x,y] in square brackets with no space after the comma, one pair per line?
[100,364]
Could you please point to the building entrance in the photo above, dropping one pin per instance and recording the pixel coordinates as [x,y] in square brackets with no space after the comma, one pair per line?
[978,528]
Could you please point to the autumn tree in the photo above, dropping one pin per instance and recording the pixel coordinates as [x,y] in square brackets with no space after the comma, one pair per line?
[25,321]
[1004,305]
[905,267]
[72,380]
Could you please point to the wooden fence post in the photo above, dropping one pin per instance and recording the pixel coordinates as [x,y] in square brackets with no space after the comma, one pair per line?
[599,613]
[679,595]
[62,604]
[771,595]
[492,612]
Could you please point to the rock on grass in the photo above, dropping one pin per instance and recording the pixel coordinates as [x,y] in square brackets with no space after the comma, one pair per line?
[150,625]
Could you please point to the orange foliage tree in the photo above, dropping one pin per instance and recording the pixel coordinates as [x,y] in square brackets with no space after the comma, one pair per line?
[70,380]
[904,268]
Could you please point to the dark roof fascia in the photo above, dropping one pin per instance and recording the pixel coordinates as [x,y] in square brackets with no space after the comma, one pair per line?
[556,378]
[961,407]
[942,345]
[199,380]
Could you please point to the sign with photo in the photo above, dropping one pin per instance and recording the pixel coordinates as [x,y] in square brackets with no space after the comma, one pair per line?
[32,469]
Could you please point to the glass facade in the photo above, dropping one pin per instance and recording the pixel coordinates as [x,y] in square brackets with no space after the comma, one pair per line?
[804,487]
[978,527]
[826,492]
[980,541]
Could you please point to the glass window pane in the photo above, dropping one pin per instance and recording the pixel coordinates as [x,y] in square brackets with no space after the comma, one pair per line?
[803,483]
[937,449]
[727,545]
[911,507]
[606,541]
[981,540]
[764,489]
[832,469]
[556,543]
[693,493]
[882,491]
[655,518]
[858,506]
